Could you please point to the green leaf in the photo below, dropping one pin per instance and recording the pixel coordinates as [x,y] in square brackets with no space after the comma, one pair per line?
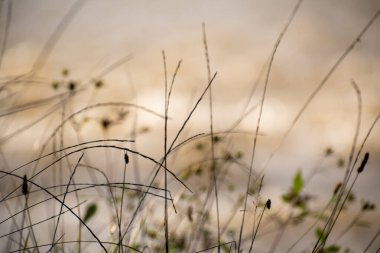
[297,183]
[362,223]
[187,174]
[90,212]
[332,249]
[285,198]
[301,217]
[226,248]
[320,235]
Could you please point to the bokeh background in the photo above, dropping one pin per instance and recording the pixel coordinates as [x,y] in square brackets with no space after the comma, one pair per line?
[240,35]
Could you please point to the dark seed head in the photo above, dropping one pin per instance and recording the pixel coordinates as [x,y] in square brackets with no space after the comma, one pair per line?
[122,114]
[340,162]
[25,186]
[71,86]
[368,206]
[55,85]
[190,213]
[65,72]
[126,158]
[98,84]
[351,197]
[268,204]
[364,162]
[337,188]
[106,123]
[329,151]
[216,138]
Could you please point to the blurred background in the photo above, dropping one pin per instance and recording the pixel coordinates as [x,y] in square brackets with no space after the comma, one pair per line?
[111,51]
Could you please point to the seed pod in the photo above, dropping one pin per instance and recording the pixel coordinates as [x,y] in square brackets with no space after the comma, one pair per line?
[98,84]
[65,72]
[190,213]
[126,158]
[71,85]
[268,204]
[25,186]
[105,122]
[337,188]
[364,162]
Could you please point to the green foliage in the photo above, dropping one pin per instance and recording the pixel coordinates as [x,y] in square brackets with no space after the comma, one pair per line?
[368,206]
[331,249]
[200,146]
[320,235]
[340,162]
[329,151]
[294,196]
[152,234]
[298,219]
[216,139]
[226,248]
[297,183]
[90,212]
[65,72]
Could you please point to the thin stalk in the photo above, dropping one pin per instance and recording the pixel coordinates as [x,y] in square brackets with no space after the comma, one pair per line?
[332,216]
[350,165]
[63,201]
[169,150]
[23,222]
[58,200]
[311,226]
[6,30]
[166,219]
[54,38]
[258,225]
[71,242]
[34,238]
[217,246]
[214,167]
[85,187]
[357,130]
[280,234]
[332,70]
[92,147]
[126,160]
[330,226]
[372,241]
[279,39]
[350,226]
[37,223]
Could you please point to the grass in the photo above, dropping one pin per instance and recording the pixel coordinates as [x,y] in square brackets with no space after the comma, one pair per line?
[203,194]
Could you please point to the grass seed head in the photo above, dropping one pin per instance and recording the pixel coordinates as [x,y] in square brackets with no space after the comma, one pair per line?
[105,122]
[98,84]
[364,162]
[268,204]
[71,85]
[126,158]
[340,162]
[55,85]
[337,187]
[190,213]
[65,72]
[329,151]
[25,186]
[368,206]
